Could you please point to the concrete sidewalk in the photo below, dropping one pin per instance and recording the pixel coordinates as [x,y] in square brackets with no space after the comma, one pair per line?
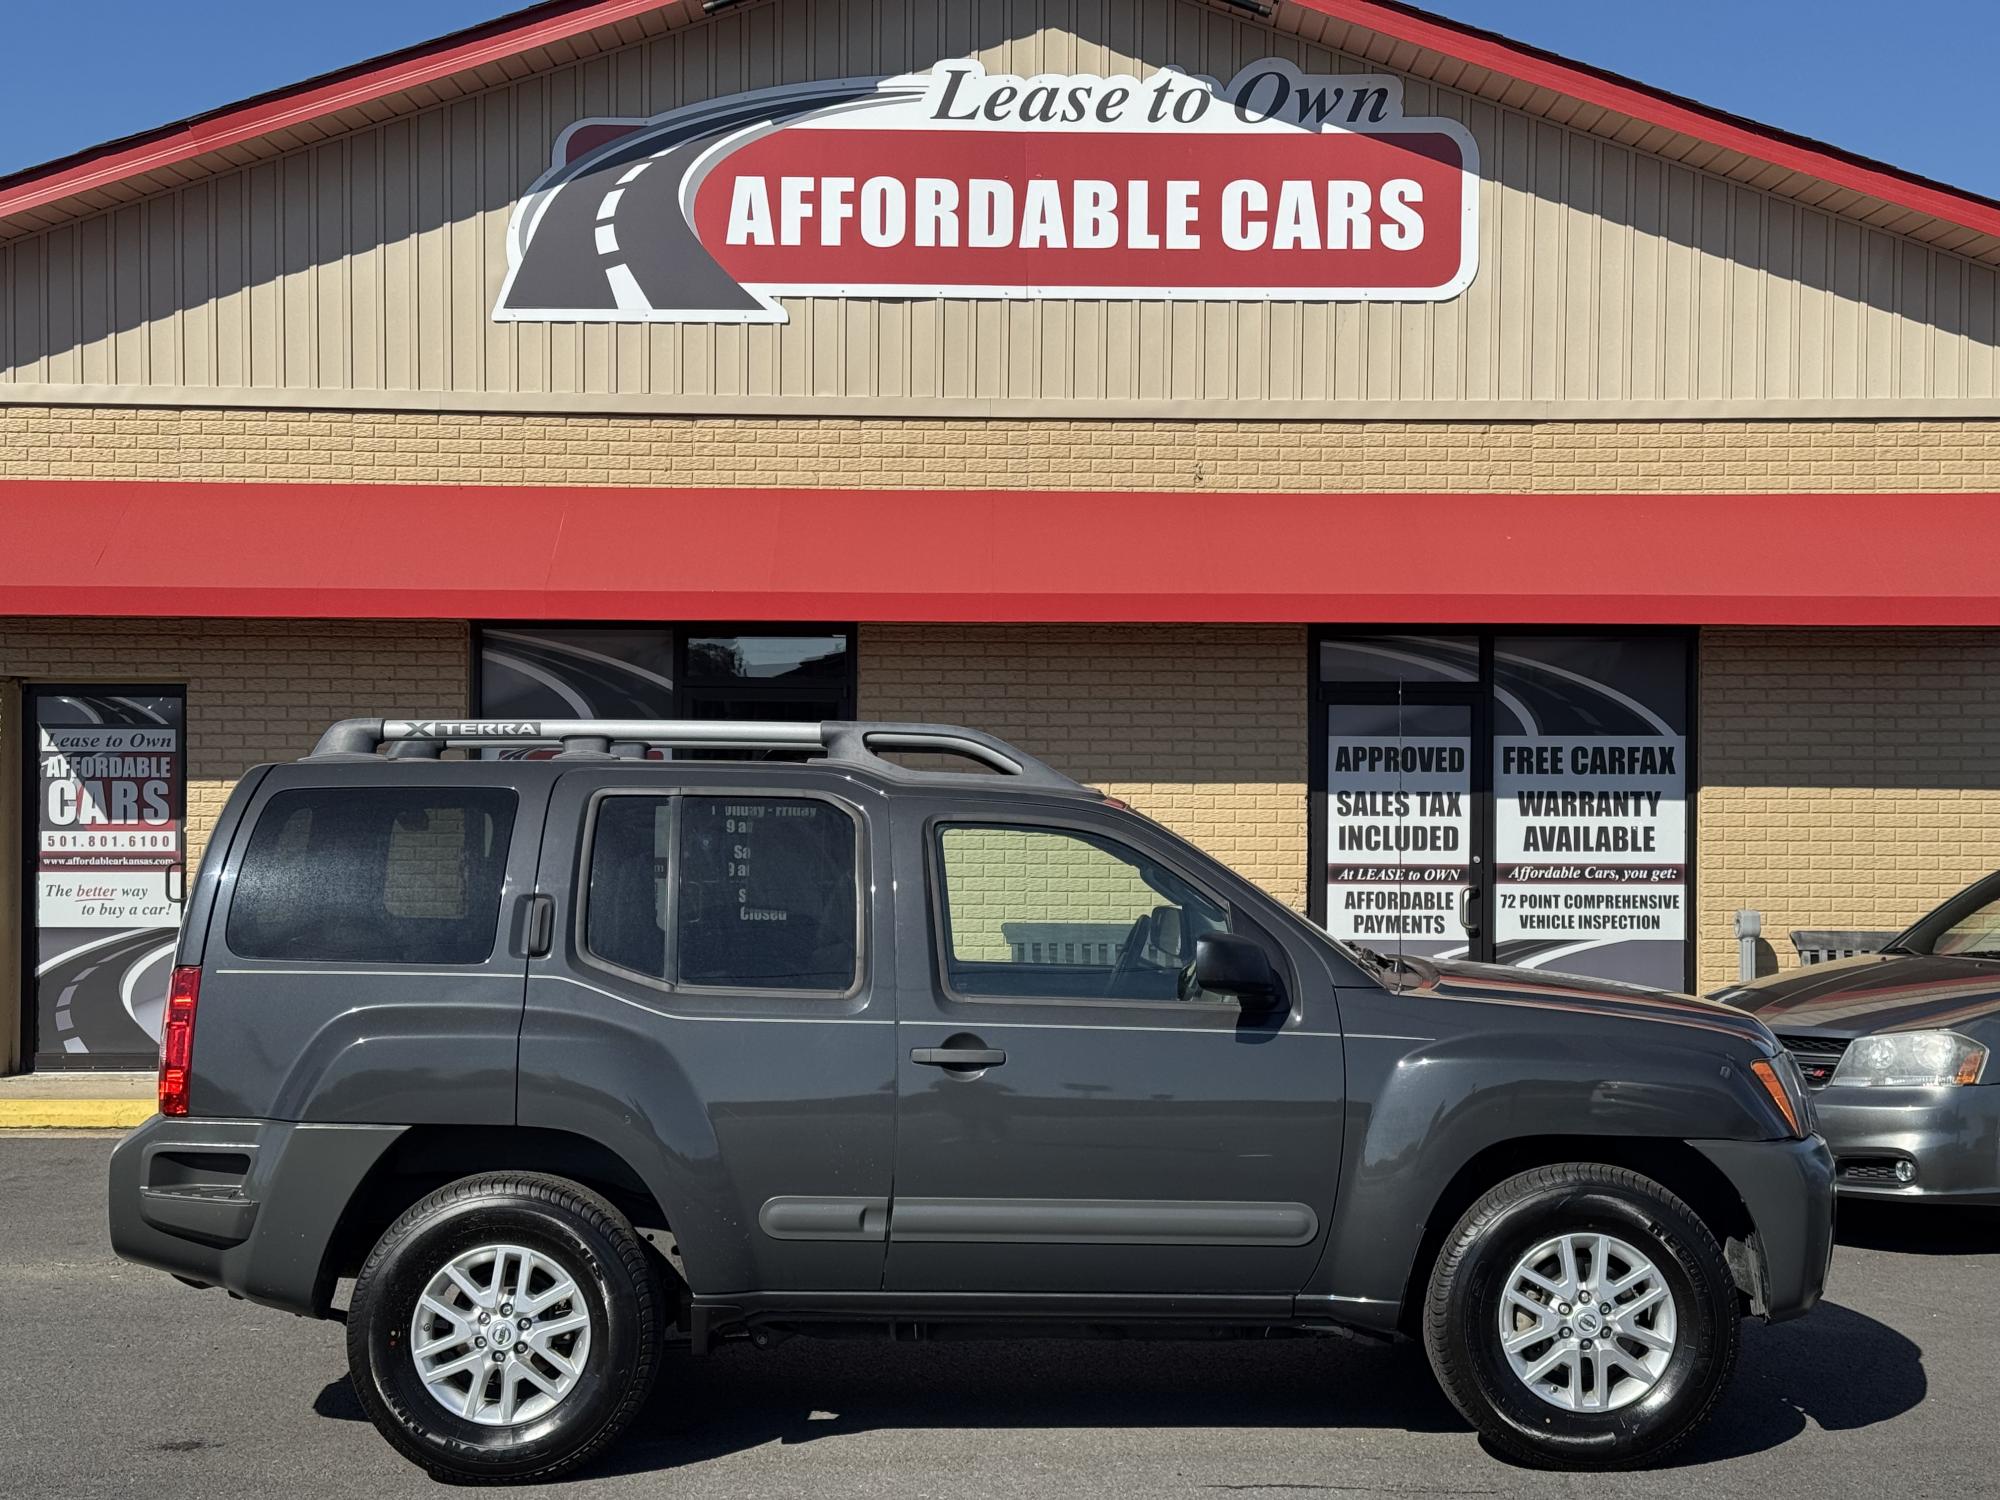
[77,1101]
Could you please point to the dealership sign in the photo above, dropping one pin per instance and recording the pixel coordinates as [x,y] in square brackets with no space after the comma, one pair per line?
[1275,186]
[110,860]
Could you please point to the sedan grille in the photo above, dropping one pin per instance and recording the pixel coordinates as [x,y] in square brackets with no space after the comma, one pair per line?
[1817,1056]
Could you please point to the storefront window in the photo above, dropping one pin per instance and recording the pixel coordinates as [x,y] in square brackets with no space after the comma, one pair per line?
[1520,799]
[585,672]
[664,672]
[768,659]
[1400,658]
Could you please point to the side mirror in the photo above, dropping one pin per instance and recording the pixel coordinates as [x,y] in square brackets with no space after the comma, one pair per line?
[1231,965]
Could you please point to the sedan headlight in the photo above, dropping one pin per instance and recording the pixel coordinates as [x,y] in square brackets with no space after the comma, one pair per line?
[1910,1059]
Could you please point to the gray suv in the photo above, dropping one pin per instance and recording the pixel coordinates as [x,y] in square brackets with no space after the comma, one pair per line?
[572,1056]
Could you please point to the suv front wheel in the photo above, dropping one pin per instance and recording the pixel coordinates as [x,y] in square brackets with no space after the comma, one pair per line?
[506,1327]
[1582,1316]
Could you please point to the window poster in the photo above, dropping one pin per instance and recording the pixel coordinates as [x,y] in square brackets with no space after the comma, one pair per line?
[110,786]
[1590,778]
[1399,825]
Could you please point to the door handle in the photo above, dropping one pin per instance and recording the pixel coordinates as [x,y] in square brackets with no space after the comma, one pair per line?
[535,922]
[958,1057]
[1467,895]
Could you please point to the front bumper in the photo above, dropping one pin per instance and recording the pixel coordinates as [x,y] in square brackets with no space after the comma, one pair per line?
[248,1205]
[1950,1137]
[1788,1188]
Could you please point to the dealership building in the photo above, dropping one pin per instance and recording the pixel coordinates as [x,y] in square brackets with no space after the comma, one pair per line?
[1501,507]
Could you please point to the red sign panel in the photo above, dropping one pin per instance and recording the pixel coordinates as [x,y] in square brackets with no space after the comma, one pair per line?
[1276,186]
[915,208]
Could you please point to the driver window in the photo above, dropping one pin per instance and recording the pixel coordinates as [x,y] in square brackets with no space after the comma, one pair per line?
[1050,913]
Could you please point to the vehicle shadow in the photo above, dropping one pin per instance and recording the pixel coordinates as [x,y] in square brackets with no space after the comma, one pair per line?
[1838,1370]
[810,1389]
[805,1389]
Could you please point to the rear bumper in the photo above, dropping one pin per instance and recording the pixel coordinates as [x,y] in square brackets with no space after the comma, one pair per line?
[1949,1136]
[1788,1188]
[247,1205]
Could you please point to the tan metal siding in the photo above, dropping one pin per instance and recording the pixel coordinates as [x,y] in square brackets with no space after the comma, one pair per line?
[370,261]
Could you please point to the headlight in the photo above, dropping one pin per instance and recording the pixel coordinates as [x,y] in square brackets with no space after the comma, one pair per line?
[1910,1059]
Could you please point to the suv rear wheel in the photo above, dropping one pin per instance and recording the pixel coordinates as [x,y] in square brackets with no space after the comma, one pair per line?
[506,1327]
[1582,1316]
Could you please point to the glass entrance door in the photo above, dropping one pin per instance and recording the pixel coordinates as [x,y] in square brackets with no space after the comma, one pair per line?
[1518,798]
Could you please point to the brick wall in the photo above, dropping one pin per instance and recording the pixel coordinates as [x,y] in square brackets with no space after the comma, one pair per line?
[1203,728]
[422,447]
[256,690]
[1849,779]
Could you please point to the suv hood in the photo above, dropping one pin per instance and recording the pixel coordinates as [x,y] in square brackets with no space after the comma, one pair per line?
[1875,992]
[1498,983]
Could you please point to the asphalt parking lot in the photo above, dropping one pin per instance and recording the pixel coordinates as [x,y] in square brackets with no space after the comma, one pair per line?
[120,1381]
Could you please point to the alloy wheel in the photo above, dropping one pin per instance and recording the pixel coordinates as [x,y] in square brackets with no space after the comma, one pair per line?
[1587,1322]
[500,1335]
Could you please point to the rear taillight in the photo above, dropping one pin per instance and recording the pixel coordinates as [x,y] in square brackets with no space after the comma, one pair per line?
[177,1039]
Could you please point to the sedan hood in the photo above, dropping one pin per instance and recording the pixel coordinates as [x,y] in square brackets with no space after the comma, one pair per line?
[1532,987]
[1875,992]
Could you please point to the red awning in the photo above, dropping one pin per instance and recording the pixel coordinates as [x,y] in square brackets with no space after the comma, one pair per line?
[516,552]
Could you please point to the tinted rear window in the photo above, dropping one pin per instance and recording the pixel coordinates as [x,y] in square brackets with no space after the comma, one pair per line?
[374,875]
[766,894]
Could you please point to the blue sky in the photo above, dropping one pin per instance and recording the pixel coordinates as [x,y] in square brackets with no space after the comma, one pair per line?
[1904,83]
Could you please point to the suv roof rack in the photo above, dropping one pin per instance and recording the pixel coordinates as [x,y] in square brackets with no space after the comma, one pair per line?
[846,742]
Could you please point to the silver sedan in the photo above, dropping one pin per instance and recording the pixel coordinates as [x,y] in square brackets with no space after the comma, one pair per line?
[1897,1048]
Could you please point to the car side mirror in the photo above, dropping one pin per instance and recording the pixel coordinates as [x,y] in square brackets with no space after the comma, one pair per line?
[1226,964]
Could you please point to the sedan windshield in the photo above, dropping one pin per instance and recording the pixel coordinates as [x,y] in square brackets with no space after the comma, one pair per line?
[1967,926]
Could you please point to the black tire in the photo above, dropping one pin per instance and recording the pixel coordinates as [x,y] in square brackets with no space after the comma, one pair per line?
[617,1283]
[1462,1316]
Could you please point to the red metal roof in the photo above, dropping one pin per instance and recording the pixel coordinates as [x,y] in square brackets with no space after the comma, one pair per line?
[1641,101]
[131,156]
[542,25]
[526,552]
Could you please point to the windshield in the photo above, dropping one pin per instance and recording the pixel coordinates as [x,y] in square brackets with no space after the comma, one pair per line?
[1967,926]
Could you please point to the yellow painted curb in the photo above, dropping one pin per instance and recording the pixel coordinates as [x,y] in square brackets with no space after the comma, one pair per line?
[74,1114]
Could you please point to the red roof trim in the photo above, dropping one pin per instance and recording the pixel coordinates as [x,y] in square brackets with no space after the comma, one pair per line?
[526,30]
[1643,102]
[134,156]
[455,552]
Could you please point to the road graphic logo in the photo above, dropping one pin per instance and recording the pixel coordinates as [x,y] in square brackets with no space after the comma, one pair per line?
[1275,186]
